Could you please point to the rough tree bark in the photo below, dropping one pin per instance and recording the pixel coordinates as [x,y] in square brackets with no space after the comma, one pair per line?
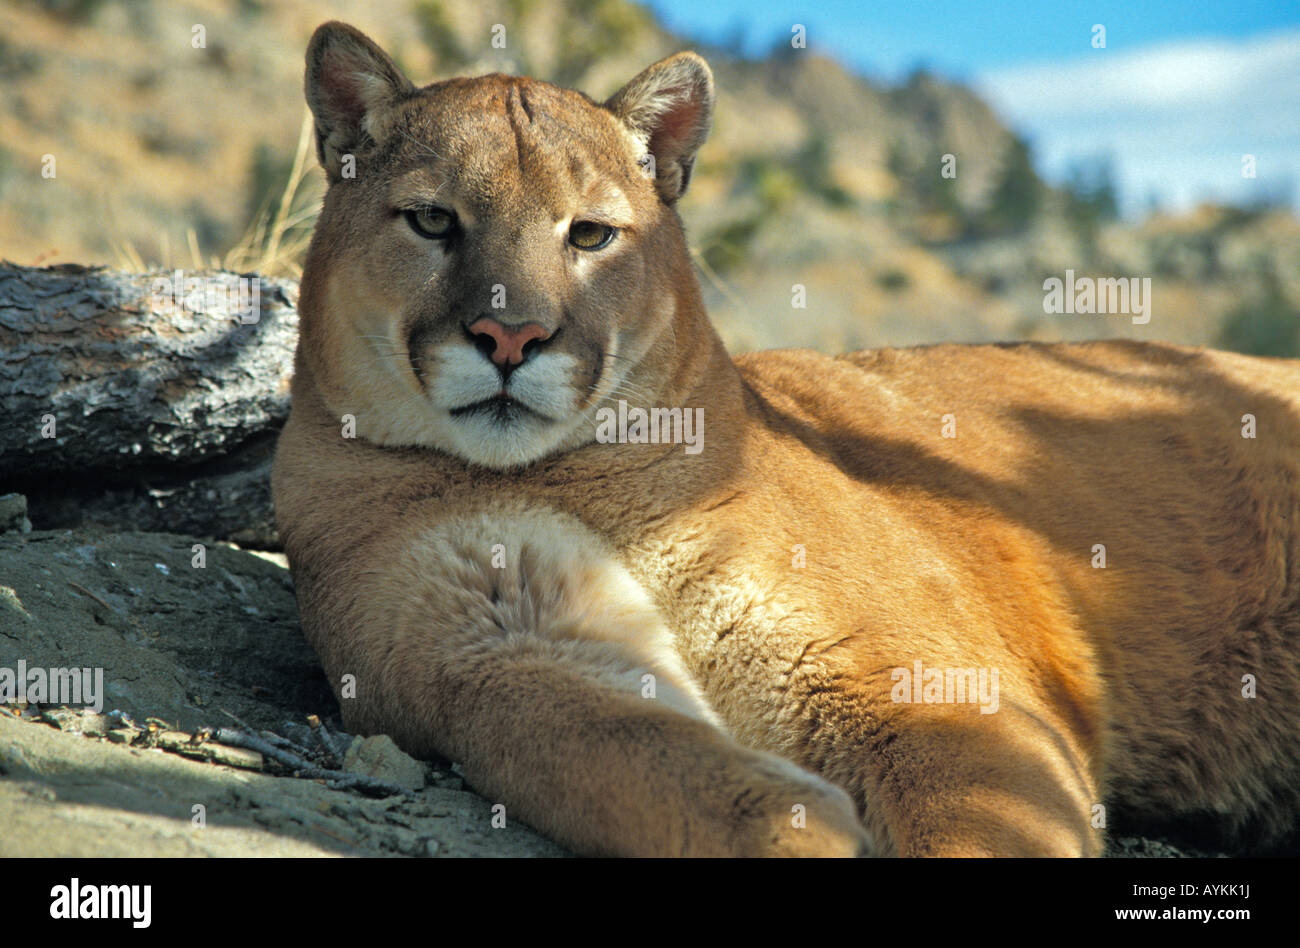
[144,401]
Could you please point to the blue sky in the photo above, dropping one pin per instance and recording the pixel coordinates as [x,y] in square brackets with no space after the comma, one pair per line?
[1182,90]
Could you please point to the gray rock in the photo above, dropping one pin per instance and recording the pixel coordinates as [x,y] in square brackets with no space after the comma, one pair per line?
[380,758]
[13,514]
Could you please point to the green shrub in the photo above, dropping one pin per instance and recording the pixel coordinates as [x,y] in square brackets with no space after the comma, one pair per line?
[1268,324]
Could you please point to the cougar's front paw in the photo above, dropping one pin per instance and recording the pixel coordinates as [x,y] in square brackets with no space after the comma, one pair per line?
[786,811]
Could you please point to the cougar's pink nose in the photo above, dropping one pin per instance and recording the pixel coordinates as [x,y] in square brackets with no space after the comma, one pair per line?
[508,344]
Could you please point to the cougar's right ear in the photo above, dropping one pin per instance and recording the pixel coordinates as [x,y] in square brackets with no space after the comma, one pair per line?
[350,84]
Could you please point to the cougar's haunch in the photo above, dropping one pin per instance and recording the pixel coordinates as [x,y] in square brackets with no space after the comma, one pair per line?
[948,600]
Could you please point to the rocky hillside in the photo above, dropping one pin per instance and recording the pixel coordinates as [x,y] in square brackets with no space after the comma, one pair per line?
[173,126]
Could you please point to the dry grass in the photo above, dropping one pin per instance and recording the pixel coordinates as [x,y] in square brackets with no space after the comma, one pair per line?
[274,243]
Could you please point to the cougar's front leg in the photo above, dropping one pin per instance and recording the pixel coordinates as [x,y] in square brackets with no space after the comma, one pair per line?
[1015,783]
[520,648]
[1016,775]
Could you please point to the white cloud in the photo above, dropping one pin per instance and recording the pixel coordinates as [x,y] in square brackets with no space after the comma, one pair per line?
[1176,117]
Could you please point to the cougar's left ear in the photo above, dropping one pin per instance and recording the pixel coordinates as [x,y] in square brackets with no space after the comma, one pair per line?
[669,107]
[350,83]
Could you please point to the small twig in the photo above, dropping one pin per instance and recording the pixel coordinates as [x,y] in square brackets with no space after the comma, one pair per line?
[322,736]
[82,589]
[279,740]
[240,721]
[328,742]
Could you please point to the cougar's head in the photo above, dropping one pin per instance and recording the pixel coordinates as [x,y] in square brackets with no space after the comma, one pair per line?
[496,258]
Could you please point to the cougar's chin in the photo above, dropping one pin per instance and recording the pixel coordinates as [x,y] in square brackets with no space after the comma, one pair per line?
[499,435]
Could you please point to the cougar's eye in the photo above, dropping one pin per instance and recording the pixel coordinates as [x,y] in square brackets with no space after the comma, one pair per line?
[432,222]
[588,235]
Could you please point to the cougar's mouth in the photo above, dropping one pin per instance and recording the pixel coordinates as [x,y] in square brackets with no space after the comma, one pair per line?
[501,408]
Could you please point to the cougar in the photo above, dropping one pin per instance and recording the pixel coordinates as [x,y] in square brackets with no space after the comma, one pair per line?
[656,600]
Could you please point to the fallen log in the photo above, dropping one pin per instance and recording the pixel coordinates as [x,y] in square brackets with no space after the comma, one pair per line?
[144,400]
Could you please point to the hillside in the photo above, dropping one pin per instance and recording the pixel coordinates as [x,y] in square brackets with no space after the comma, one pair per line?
[166,154]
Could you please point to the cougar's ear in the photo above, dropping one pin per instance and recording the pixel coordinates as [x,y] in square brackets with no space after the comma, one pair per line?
[350,84]
[669,107]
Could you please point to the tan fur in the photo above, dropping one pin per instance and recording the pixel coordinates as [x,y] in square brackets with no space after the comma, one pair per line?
[502,606]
